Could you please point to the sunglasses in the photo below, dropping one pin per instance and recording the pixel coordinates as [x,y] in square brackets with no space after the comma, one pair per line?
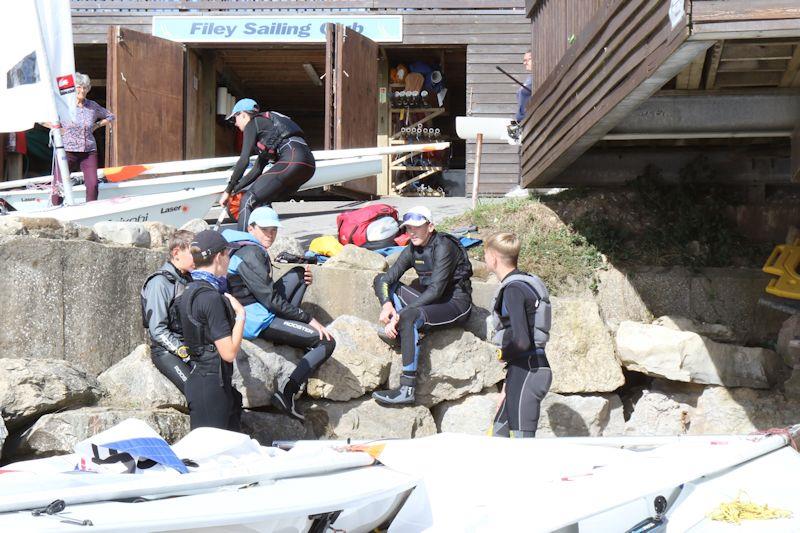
[414,217]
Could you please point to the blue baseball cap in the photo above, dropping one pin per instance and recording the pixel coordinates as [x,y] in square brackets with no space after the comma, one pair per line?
[264,217]
[245,104]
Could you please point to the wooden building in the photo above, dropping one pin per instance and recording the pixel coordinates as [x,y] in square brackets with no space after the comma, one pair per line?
[165,92]
[620,84]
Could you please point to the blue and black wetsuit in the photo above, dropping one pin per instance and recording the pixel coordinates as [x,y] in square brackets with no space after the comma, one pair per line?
[441,296]
[272,137]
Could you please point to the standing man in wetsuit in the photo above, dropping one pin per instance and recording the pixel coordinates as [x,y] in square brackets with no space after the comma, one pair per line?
[273,308]
[441,295]
[521,315]
[270,136]
[213,324]
[160,313]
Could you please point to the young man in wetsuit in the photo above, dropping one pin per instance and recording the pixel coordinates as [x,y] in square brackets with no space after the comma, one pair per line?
[273,307]
[521,316]
[213,325]
[441,296]
[271,136]
[160,313]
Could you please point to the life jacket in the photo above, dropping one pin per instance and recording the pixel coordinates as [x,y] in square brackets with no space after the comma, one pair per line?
[270,139]
[174,320]
[236,285]
[205,355]
[423,264]
[542,319]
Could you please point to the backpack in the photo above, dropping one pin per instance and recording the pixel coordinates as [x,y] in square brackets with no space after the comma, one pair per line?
[353,225]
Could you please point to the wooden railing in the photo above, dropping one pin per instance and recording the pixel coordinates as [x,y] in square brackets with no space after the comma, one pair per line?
[112,6]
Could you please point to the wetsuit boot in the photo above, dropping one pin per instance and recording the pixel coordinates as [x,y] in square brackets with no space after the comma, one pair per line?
[404,395]
[284,401]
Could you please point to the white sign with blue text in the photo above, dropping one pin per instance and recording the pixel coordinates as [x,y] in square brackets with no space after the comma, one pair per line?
[278,29]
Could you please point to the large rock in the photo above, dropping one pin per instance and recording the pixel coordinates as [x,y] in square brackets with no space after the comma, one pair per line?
[472,414]
[266,428]
[3,435]
[127,233]
[57,433]
[659,414]
[789,341]
[285,244]
[580,416]
[686,356]
[365,419]
[44,227]
[196,225]
[619,300]
[741,411]
[159,234]
[73,299]
[355,257]
[715,332]
[136,383]
[452,364]
[261,368]
[580,350]
[791,387]
[360,362]
[336,292]
[30,388]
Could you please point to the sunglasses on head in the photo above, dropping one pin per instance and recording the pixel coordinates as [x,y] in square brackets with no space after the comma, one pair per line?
[414,217]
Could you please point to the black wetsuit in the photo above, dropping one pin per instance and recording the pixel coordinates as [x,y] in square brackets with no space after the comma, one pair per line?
[441,296]
[528,374]
[270,136]
[252,282]
[160,317]
[207,317]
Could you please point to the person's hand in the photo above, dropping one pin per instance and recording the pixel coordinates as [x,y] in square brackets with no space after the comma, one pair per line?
[308,276]
[223,199]
[323,333]
[183,353]
[237,307]
[387,312]
[391,327]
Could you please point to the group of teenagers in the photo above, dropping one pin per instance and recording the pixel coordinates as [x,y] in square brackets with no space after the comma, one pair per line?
[216,289]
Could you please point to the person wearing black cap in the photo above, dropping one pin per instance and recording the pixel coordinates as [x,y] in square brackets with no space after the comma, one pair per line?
[213,327]
[441,295]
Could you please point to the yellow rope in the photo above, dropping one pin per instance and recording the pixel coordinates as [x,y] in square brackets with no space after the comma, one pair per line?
[743,509]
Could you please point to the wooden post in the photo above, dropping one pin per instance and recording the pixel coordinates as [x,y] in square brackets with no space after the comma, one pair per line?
[477,175]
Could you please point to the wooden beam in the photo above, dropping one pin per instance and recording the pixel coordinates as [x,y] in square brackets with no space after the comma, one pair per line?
[791,78]
[747,29]
[713,65]
[744,52]
[744,10]
[794,171]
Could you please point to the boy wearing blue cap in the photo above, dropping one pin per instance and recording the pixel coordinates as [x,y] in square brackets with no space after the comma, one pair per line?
[273,307]
[272,137]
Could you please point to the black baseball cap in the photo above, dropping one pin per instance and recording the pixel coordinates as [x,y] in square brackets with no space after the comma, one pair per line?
[210,243]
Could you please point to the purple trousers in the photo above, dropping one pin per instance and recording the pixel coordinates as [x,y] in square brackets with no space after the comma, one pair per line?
[87,163]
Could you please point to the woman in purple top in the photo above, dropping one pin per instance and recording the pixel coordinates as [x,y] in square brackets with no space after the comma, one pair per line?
[79,140]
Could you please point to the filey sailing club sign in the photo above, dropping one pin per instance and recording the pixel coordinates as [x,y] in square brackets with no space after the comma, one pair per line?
[286,29]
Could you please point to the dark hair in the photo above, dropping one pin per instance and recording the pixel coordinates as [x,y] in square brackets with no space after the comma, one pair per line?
[199,260]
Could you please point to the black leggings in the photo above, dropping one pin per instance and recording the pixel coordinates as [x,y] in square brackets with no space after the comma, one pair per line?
[292,285]
[172,366]
[414,320]
[213,402]
[526,387]
[294,167]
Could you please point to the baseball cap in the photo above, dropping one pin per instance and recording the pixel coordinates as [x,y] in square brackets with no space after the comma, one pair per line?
[210,242]
[245,104]
[417,216]
[264,217]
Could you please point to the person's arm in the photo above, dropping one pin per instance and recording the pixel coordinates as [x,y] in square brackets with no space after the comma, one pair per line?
[517,337]
[105,116]
[390,277]
[227,339]
[257,277]
[444,266]
[248,142]
[157,294]
[256,170]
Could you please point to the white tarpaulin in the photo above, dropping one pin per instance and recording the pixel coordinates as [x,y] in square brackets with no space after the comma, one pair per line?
[36,37]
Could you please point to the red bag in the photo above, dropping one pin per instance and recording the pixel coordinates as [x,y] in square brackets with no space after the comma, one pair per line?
[353,224]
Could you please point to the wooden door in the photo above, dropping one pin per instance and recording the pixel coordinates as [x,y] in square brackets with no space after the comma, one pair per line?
[352,90]
[145,90]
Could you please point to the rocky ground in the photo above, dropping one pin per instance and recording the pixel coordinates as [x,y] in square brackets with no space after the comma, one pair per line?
[622,364]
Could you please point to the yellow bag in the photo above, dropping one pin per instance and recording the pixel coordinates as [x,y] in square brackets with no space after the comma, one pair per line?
[327,245]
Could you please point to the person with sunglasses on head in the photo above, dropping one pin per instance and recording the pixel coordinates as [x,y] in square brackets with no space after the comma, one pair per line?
[273,307]
[213,328]
[441,296]
[271,136]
